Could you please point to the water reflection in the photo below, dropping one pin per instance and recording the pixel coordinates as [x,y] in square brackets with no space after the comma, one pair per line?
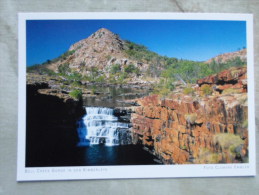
[112,96]
[117,155]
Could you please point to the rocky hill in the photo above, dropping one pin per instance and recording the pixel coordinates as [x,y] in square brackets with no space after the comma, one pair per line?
[105,58]
[102,49]
[223,58]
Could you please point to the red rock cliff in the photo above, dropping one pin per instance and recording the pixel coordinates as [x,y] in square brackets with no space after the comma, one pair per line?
[196,129]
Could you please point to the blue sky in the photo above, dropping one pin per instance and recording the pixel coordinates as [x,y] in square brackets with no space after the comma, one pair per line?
[183,39]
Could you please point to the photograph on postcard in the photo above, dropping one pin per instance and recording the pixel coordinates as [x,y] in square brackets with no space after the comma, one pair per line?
[129,92]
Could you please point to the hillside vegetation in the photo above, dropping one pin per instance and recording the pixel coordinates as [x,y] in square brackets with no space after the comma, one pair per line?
[125,62]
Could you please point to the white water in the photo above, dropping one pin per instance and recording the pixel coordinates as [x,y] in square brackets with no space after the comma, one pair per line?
[99,125]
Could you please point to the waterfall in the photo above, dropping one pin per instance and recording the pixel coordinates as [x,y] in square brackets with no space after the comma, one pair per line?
[99,126]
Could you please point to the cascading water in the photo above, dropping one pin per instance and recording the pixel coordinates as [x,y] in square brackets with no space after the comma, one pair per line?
[99,126]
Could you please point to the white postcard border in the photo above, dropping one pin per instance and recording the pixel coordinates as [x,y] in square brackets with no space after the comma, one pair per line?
[139,171]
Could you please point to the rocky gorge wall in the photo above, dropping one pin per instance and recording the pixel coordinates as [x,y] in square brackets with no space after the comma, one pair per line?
[198,128]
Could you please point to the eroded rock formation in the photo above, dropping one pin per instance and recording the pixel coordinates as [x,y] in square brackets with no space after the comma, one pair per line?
[186,129]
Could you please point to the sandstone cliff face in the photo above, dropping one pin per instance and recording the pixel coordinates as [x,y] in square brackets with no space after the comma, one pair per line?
[196,129]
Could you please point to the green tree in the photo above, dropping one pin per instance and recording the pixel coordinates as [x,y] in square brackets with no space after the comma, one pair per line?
[64,69]
[74,76]
[115,68]
[185,70]
[76,94]
[132,69]
[94,72]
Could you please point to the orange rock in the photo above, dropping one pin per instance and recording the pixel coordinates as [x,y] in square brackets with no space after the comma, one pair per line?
[175,140]
[226,76]
[195,133]
[157,125]
[182,128]
[139,110]
[149,100]
[164,114]
[230,128]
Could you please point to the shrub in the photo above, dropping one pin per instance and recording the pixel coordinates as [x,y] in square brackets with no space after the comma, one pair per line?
[206,89]
[121,78]
[63,86]
[64,68]
[169,85]
[162,91]
[49,72]
[131,69]
[76,94]
[75,76]
[164,87]
[86,78]
[66,54]
[100,79]
[225,140]
[41,69]
[112,79]
[245,124]
[93,90]
[115,68]
[76,84]
[207,157]
[108,57]
[188,90]
[230,91]
[139,52]
[231,143]
[94,72]
[219,66]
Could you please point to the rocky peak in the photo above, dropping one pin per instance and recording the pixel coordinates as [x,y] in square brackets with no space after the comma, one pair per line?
[99,41]
[103,32]
[101,50]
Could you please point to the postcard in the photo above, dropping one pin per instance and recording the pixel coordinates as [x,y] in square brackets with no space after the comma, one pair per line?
[135,95]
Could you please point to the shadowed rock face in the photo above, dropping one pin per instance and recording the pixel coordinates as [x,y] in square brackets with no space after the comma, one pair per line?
[204,129]
[50,126]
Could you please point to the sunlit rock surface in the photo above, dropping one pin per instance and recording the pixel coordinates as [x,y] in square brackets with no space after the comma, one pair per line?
[184,129]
